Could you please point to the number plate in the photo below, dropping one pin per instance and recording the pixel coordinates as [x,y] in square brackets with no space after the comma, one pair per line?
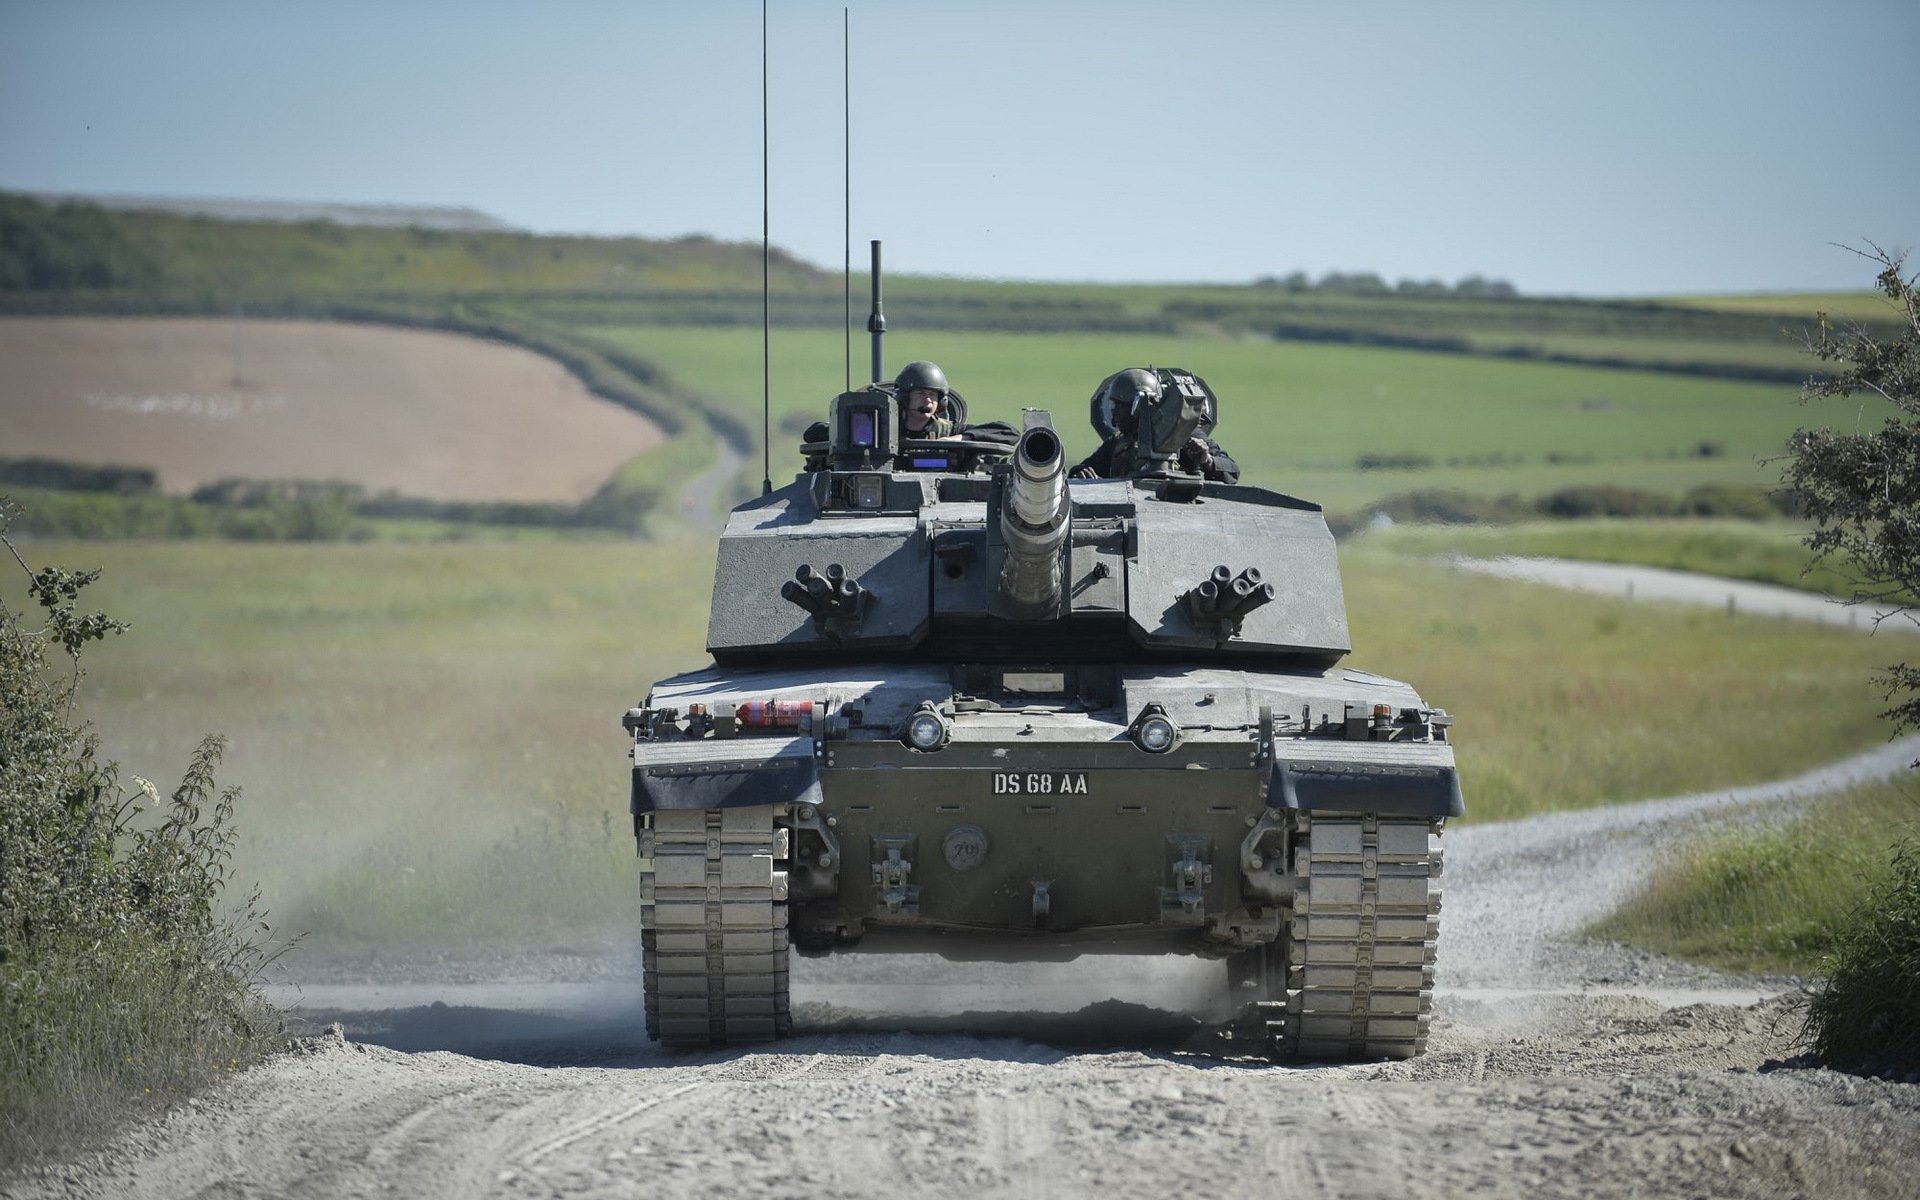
[1039,783]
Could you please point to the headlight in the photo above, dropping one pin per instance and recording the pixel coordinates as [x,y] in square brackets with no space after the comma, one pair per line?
[926,731]
[1155,734]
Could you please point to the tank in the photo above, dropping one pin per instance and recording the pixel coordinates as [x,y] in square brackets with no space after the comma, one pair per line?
[961,702]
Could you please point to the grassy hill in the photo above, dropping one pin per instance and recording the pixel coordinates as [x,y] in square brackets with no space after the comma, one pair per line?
[695,280]
[1482,393]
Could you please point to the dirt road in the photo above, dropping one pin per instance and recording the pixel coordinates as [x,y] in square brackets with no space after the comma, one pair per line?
[1557,1069]
[1636,582]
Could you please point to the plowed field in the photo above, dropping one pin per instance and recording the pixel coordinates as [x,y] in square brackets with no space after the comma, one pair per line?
[426,413]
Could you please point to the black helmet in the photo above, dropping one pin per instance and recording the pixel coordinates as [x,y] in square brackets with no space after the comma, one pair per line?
[920,374]
[1127,391]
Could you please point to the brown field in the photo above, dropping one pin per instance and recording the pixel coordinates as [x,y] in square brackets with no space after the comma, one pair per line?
[430,414]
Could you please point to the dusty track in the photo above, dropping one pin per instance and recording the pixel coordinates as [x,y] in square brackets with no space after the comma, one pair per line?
[1636,582]
[1557,1069]
[429,414]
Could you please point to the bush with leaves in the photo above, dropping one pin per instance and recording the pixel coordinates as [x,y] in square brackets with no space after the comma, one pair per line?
[1861,490]
[1866,1015]
[125,977]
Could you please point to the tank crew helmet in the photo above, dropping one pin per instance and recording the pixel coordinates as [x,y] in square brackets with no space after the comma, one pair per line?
[1127,393]
[920,374]
[917,419]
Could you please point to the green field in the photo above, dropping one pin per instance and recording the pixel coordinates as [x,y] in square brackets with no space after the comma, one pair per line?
[428,734]
[1771,896]
[1296,416]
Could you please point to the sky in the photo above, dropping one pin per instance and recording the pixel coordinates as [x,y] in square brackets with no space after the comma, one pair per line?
[1624,148]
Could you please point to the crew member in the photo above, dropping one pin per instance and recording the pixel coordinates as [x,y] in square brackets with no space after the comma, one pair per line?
[927,411]
[1119,455]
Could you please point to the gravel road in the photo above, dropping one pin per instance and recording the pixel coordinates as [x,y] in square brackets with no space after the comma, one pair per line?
[1557,1068]
[1636,582]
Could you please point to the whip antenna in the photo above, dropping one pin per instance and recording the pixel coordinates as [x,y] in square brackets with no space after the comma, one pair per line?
[766,285]
[876,322]
[846,159]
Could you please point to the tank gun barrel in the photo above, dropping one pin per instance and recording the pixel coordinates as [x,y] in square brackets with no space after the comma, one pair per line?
[1035,519]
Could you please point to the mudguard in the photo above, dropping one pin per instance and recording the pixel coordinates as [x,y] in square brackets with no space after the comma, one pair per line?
[1347,786]
[729,773]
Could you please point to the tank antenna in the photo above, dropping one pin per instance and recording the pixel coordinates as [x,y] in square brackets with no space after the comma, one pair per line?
[766,284]
[846,159]
[877,323]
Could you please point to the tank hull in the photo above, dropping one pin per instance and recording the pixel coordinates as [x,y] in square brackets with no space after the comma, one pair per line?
[1044,828]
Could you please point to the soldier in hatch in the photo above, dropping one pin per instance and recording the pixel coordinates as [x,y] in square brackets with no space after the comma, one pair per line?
[929,411]
[921,391]
[928,408]
[1126,392]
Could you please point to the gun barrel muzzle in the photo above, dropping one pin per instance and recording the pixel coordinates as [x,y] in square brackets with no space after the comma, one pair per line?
[1034,523]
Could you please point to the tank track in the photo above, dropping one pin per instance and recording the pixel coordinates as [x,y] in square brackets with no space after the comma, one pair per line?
[1354,979]
[713,920]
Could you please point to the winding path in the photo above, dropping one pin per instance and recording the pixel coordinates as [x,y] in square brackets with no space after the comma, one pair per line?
[1636,582]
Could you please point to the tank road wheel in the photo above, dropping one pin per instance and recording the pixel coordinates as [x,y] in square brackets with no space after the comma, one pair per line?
[713,919]
[1365,924]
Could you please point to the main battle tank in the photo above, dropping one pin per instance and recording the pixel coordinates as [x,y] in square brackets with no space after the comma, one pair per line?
[960,702]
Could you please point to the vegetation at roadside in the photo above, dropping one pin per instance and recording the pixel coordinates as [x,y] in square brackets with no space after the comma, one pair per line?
[1777,895]
[1867,1014]
[1833,891]
[126,967]
[1861,490]
[1837,890]
[445,716]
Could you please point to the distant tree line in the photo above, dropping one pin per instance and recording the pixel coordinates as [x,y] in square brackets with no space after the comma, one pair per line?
[52,247]
[78,500]
[1366,283]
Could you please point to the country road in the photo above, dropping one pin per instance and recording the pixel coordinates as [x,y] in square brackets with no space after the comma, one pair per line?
[1636,582]
[1557,1068]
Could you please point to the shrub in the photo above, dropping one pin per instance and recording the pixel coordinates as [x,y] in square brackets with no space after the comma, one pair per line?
[124,979]
[1445,507]
[1604,500]
[1866,1014]
[1747,501]
[77,477]
[1393,462]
